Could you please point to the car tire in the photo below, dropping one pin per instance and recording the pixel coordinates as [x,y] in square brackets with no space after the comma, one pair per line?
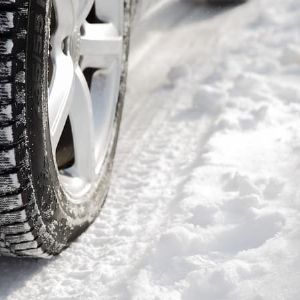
[39,216]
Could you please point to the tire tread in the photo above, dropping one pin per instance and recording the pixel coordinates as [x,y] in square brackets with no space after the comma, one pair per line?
[18,234]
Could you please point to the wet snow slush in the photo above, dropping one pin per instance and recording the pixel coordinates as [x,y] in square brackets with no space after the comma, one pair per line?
[205,200]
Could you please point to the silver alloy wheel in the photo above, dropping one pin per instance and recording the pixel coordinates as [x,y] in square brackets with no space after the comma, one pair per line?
[88,104]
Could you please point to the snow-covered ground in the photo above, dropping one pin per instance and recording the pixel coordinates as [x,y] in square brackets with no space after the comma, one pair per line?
[204,203]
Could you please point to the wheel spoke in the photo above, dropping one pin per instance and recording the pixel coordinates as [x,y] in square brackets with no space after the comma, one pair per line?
[110,11]
[61,95]
[76,45]
[100,45]
[81,117]
[65,18]
[82,9]
[69,15]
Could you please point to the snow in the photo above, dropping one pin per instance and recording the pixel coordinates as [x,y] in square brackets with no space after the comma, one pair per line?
[204,202]
[6,112]
[6,48]
[8,20]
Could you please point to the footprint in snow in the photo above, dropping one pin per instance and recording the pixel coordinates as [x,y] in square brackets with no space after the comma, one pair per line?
[238,209]
[248,234]
[247,221]
[220,281]
[239,183]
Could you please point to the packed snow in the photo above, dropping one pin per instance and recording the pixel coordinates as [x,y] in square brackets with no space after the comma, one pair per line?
[204,203]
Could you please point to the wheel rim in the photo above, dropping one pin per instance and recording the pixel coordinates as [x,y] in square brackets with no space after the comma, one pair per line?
[86,48]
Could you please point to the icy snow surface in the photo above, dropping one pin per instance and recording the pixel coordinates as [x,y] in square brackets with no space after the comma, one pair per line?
[205,201]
